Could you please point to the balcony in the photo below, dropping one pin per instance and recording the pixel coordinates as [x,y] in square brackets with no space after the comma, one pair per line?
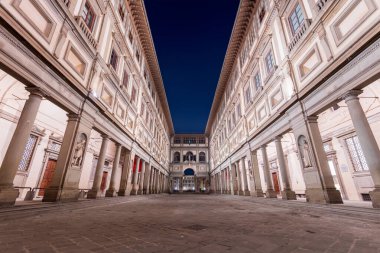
[299,34]
[87,32]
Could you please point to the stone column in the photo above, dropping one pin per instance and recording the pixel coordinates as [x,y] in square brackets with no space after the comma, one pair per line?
[240,184]
[231,173]
[331,194]
[245,179]
[270,193]
[125,174]
[141,183]
[135,185]
[287,192]
[147,179]
[95,192]
[258,192]
[180,184]
[111,192]
[234,184]
[17,145]
[367,142]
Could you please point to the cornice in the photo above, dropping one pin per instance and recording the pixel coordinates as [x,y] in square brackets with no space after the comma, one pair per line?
[242,21]
[140,20]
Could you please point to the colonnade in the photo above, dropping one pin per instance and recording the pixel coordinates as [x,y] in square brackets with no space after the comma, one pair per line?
[65,182]
[320,186]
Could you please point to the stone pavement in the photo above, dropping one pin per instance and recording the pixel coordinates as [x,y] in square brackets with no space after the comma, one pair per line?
[189,223]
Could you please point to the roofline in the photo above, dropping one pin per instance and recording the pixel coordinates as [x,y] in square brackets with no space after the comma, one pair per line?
[241,24]
[140,19]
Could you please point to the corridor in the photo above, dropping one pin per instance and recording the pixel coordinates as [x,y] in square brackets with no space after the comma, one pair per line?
[189,223]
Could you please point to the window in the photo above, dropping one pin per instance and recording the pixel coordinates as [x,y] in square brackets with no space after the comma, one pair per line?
[257,81]
[133,95]
[269,61]
[238,111]
[122,9]
[107,96]
[88,15]
[142,111]
[247,95]
[28,153]
[202,157]
[114,59]
[130,37]
[177,141]
[177,157]
[201,141]
[262,14]
[189,140]
[125,80]
[138,55]
[356,154]
[296,18]
[189,157]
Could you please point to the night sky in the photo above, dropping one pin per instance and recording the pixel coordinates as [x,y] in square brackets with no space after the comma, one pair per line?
[191,39]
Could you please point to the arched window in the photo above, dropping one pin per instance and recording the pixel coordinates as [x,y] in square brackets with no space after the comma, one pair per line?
[177,157]
[202,157]
[189,157]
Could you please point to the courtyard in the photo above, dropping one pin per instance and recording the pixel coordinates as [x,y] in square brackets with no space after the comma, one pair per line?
[188,223]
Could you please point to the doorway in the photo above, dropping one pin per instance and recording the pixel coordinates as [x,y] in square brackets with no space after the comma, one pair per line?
[276,184]
[48,176]
[104,181]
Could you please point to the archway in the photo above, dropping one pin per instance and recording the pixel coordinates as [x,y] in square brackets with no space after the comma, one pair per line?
[188,180]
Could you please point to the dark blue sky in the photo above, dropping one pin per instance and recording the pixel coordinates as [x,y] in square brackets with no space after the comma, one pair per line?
[191,39]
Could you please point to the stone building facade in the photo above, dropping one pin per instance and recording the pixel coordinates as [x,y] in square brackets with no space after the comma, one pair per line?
[83,110]
[296,109]
[189,169]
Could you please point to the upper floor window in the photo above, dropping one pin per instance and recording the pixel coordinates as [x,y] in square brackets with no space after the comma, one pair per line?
[142,111]
[130,36]
[269,62]
[114,59]
[177,157]
[88,15]
[125,80]
[133,95]
[202,157]
[138,55]
[247,95]
[296,18]
[122,9]
[238,111]
[262,14]
[177,140]
[356,154]
[257,81]
[201,141]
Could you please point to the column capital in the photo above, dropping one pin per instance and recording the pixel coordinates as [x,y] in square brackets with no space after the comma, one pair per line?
[36,91]
[72,117]
[278,138]
[264,146]
[351,95]
[117,144]
[104,136]
[312,119]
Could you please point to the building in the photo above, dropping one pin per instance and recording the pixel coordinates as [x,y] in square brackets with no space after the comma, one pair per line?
[296,109]
[83,109]
[189,170]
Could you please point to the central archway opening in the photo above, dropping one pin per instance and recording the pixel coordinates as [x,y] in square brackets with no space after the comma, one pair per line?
[188,180]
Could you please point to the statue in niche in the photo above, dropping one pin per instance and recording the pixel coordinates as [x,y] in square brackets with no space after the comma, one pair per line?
[79,150]
[305,152]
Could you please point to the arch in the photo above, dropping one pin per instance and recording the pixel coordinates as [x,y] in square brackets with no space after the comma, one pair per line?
[176,157]
[189,172]
[202,157]
[189,156]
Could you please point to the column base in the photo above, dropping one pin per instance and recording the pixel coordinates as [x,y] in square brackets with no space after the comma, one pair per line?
[236,192]
[375,198]
[133,192]
[320,196]
[140,192]
[247,193]
[288,195]
[257,194]
[63,195]
[8,196]
[94,194]
[271,194]
[123,193]
[241,193]
[111,193]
